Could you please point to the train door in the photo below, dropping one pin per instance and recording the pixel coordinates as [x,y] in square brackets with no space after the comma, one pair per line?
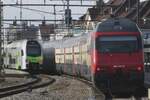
[76,59]
[19,59]
[12,58]
[23,61]
[85,61]
[147,69]
[5,59]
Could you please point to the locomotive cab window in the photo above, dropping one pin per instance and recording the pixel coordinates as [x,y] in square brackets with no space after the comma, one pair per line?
[106,44]
[33,51]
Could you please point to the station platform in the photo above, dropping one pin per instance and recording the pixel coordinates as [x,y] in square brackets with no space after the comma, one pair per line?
[13,72]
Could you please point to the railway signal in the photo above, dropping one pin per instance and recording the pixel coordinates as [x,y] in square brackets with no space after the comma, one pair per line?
[68,18]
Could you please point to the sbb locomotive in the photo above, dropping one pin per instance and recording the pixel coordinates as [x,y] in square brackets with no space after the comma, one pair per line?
[112,53]
[23,55]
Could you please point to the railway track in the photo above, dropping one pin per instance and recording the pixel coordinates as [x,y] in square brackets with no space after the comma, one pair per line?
[37,82]
[98,95]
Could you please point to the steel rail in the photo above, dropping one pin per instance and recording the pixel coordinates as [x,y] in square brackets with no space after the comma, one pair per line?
[37,83]
[89,83]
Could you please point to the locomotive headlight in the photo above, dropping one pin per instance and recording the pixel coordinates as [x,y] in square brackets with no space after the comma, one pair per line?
[98,69]
[139,68]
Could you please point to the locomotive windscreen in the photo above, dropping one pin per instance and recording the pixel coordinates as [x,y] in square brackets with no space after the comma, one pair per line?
[117,44]
[33,48]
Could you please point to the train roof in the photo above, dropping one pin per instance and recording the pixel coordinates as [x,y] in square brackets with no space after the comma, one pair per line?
[117,25]
[65,42]
[109,25]
[19,43]
[50,44]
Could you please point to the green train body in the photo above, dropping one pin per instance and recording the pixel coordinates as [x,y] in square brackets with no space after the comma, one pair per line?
[37,60]
[24,55]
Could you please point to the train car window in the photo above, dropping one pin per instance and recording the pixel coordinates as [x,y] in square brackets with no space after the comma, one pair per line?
[145,36]
[14,61]
[146,45]
[33,51]
[118,38]
[22,54]
[4,54]
[145,33]
[33,48]
[10,58]
[88,48]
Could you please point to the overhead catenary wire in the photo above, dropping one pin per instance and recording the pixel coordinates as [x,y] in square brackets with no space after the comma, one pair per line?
[71,5]
[36,10]
[33,28]
[36,20]
[74,0]
[51,13]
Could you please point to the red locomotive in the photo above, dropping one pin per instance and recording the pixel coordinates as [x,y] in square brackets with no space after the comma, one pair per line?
[112,53]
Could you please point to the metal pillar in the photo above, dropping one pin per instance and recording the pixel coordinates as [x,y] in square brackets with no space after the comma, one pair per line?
[1,43]
[0,35]
[138,12]
[54,22]
[68,18]
[20,9]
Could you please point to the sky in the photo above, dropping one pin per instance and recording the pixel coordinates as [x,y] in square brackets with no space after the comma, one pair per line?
[12,12]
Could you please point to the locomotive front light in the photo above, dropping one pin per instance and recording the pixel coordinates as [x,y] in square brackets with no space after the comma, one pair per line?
[102,68]
[139,68]
[98,69]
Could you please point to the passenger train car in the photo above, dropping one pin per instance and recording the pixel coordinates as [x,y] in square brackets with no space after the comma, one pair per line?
[23,55]
[48,49]
[146,37]
[147,61]
[112,53]
[147,51]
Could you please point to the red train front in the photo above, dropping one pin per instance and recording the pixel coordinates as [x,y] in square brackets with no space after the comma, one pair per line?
[117,53]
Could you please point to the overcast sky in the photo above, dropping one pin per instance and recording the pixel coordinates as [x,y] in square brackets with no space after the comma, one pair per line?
[11,12]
